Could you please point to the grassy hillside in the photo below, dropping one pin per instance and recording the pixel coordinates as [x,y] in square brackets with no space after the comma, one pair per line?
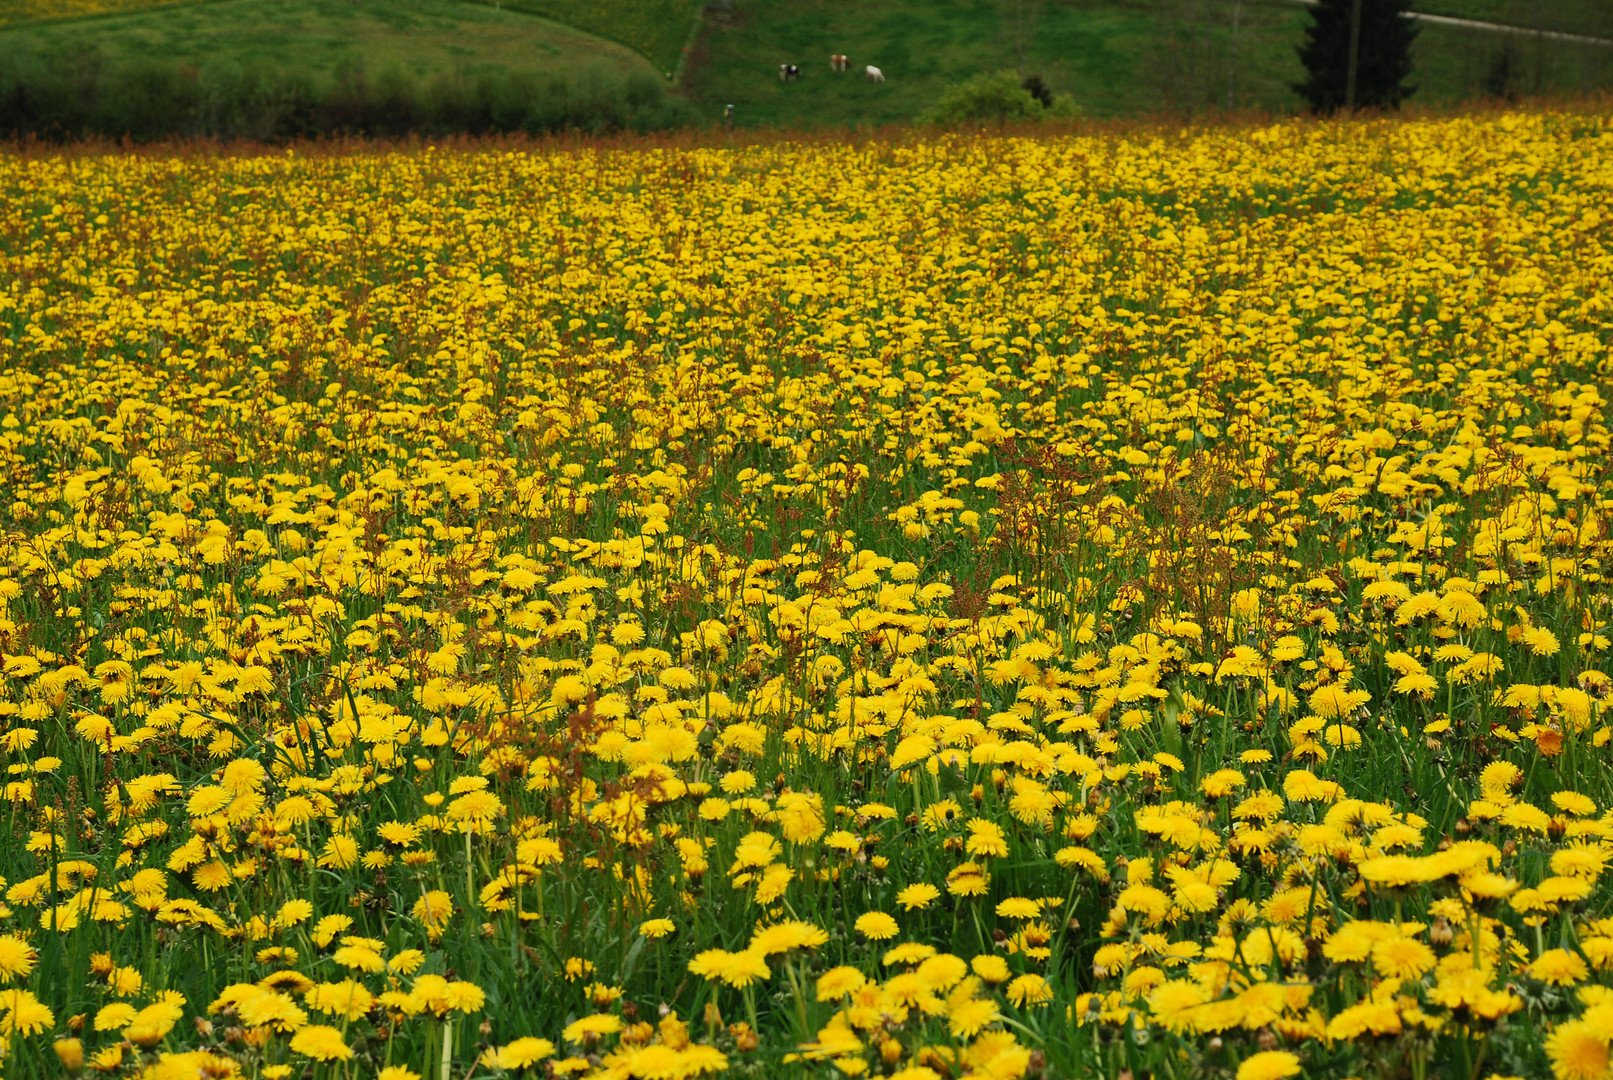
[18,12]
[1593,17]
[1113,56]
[319,37]
[282,69]
[921,45]
[656,29]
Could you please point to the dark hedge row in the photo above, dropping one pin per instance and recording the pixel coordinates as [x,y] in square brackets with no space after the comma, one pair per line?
[88,96]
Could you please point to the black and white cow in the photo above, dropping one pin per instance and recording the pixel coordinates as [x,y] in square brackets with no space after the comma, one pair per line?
[788,73]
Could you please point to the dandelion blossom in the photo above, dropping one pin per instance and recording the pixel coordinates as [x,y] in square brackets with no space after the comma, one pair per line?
[837,982]
[918,896]
[876,926]
[736,969]
[1269,1065]
[23,1014]
[965,1019]
[909,952]
[1029,990]
[1402,958]
[321,1042]
[521,1053]
[1578,1051]
[785,936]
[17,957]
[1019,907]
[745,968]
[591,1029]
[993,969]
[1541,642]
[1560,967]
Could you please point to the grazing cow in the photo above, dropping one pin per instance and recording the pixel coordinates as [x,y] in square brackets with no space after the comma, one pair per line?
[874,74]
[838,62]
[788,73]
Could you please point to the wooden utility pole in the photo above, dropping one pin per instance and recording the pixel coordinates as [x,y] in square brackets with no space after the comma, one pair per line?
[1355,55]
[1232,54]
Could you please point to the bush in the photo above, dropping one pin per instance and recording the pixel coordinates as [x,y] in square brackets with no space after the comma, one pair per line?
[68,97]
[999,98]
[1037,87]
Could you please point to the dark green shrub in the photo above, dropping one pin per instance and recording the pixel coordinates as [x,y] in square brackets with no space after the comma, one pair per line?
[997,98]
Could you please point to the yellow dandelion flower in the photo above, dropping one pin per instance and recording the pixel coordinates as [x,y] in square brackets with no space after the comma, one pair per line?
[876,925]
[17,958]
[520,1053]
[1269,1065]
[838,982]
[966,1019]
[917,896]
[591,1029]
[320,1042]
[1019,907]
[1029,990]
[787,936]
[1560,967]
[992,969]
[1402,958]
[909,952]
[1578,1051]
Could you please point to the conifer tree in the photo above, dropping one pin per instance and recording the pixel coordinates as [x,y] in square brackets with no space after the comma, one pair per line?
[1383,55]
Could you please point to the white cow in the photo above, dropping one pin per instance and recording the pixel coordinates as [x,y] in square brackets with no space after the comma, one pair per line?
[874,74]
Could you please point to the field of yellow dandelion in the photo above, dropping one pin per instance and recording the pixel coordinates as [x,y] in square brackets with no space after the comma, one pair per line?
[977,607]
